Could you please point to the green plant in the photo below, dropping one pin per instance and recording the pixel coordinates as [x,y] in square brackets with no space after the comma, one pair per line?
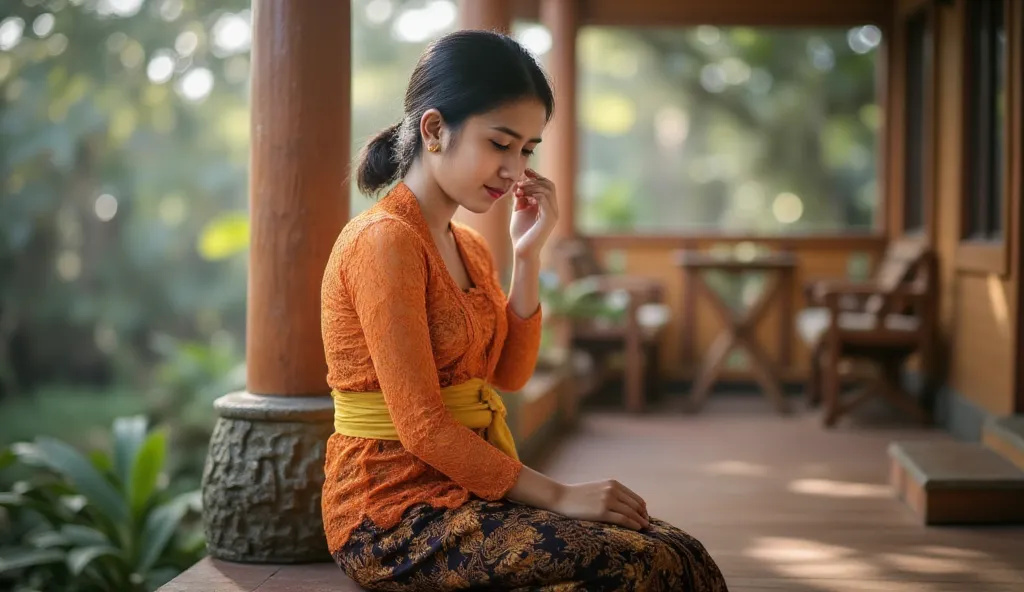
[191,375]
[581,299]
[106,522]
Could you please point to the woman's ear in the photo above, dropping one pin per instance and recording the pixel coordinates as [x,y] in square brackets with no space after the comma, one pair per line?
[431,126]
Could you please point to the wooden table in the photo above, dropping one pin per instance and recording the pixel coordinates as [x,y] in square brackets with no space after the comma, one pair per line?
[740,328]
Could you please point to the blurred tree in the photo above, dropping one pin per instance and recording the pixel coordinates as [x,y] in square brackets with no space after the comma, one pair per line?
[734,129]
[125,128]
[111,173]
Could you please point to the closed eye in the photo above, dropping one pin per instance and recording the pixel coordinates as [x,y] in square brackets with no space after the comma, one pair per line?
[503,148]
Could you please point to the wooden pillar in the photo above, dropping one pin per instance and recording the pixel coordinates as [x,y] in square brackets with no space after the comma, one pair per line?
[558,152]
[299,198]
[490,15]
[264,469]
[486,15]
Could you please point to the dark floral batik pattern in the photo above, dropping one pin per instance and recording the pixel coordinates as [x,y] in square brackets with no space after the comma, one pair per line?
[508,546]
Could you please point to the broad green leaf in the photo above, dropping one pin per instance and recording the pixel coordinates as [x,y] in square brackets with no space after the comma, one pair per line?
[47,539]
[129,433]
[7,458]
[160,527]
[101,460]
[193,543]
[28,453]
[79,471]
[33,499]
[78,534]
[160,576]
[22,558]
[225,236]
[146,470]
[80,557]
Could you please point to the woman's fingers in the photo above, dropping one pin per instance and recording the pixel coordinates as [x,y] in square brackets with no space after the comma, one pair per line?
[623,515]
[632,502]
[536,194]
[640,501]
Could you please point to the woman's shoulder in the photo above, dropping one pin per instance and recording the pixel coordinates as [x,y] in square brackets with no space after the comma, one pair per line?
[378,231]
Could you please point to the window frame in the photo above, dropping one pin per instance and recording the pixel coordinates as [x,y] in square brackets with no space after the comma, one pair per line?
[988,254]
[899,203]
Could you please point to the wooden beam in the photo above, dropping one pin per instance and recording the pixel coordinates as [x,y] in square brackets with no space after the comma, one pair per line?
[559,151]
[679,13]
[676,13]
[1016,195]
[299,199]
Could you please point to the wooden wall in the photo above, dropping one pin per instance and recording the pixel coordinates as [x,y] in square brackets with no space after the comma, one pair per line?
[979,304]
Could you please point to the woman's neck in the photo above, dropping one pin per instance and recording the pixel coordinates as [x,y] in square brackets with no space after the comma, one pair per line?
[438,209]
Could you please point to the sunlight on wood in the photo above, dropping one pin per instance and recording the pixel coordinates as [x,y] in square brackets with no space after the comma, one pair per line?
[831,488]
[930,565]
[997,295]
[737,467]
[785,550]
[957,552]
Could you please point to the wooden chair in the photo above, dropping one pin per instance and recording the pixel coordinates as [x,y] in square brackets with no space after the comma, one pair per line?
[881,322]
[639,334]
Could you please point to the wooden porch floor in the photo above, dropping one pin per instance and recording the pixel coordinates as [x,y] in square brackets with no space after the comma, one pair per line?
[783,504]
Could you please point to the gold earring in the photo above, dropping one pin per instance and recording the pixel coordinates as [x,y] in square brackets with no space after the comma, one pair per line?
[433,148]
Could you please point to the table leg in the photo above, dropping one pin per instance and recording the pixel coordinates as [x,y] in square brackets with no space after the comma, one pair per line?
[710,367]
[766,373]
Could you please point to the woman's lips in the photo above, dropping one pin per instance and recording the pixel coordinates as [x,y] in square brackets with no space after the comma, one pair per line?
[494,193]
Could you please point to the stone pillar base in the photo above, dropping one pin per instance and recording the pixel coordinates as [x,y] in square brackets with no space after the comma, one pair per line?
[263,477]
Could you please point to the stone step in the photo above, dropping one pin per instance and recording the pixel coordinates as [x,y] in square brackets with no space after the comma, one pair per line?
[1005,435]
[951,482]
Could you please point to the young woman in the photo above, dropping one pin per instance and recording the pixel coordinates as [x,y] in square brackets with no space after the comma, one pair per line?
[424,489]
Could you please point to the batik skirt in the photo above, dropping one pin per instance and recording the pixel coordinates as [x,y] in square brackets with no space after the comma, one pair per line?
[508,546]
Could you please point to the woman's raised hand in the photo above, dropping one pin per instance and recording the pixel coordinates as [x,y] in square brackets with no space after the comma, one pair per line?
[534,215]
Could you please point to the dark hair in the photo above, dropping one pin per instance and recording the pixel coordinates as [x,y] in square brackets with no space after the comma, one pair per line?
[461,74]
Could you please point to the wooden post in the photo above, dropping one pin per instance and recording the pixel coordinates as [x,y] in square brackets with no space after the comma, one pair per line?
[490,15]
[486,15]
[299,199]
[558,152]
[264,469]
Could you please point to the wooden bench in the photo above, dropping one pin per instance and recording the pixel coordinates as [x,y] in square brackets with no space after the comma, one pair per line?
[213,575]
[536,418]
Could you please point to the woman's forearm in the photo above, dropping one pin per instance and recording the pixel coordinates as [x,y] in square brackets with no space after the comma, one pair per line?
[524,292]
[536,490]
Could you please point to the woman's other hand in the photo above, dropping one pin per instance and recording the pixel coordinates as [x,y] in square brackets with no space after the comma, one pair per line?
[603,501]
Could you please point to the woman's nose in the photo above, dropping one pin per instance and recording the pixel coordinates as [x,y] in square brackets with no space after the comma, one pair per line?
[513,170]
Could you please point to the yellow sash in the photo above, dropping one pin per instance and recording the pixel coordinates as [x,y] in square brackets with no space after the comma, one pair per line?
[474,404]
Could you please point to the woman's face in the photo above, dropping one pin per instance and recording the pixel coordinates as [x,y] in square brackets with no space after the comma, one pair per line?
[489,153]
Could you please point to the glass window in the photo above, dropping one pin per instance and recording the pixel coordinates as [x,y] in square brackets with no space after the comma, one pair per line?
[735,130]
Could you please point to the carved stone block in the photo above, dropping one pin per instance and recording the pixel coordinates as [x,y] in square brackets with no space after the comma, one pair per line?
[263,477]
